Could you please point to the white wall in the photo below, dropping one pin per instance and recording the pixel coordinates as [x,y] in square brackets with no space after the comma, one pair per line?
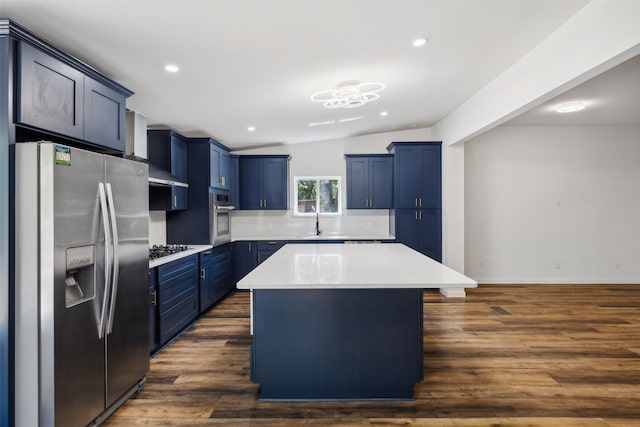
[322,158]
[601,35]
[553,205]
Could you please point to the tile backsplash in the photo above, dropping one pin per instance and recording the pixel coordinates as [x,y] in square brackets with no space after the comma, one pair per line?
[157,228]
[285,224]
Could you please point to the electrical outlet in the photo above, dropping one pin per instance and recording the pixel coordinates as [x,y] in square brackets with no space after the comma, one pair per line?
[269,226]
[557,265]
[367,226]
[481,264]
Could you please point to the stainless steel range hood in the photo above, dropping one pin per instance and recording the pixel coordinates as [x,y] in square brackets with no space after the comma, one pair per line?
[159,177]
[136,149]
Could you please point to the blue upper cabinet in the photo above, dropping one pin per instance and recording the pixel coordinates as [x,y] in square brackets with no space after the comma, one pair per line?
[264,182]
[369,181]
[219,166]
[104,115]
[234,177]
[250,183]
[51,95]
[57,94]
[168,150]
[417,178]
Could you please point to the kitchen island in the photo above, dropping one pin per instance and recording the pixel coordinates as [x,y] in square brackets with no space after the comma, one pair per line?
[341,322]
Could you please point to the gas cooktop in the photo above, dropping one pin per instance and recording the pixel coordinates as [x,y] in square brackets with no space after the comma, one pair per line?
[158,251]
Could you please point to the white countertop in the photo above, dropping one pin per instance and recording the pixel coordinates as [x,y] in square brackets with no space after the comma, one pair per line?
[312,237]
[193,249]
[340,266]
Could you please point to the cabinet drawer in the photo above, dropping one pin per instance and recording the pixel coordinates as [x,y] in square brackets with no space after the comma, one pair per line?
[171,292]
[206,256]
[179,316]
[172,269]
[272,245]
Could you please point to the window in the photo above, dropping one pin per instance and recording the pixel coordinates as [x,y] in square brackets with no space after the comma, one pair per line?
[317,194]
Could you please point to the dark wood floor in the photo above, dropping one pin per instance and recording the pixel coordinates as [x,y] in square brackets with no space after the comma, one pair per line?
[507,355]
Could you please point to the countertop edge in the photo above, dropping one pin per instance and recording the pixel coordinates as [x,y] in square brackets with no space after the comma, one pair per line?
[322,237]
[356,286]
[195,249]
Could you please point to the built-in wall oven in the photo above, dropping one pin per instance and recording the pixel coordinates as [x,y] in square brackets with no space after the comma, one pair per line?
[220,208]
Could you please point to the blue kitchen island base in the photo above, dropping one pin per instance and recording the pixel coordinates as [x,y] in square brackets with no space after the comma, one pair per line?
[337,344]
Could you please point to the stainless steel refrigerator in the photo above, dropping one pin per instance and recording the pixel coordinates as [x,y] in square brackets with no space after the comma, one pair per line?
[81,300]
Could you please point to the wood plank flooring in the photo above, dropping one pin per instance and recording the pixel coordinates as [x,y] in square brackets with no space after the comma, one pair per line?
[507,355]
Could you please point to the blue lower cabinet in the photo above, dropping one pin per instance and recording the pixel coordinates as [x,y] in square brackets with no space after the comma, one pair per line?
[154,341]
[215,275]
[420,229]
[177,298]
[206,278]
[244,259]
[222,281]
[266,249]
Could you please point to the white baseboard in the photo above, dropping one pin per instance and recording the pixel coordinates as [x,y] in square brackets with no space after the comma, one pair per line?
[453,292]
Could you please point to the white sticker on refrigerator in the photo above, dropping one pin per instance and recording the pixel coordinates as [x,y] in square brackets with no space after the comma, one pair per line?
[63,155]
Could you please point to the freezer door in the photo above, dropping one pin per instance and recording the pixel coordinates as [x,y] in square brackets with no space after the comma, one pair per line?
[72,283]
[128,324]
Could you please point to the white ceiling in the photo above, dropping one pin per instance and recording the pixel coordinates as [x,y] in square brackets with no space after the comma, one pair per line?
[256,63]
[611,99]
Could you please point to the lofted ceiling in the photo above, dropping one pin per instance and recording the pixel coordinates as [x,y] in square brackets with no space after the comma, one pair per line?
[257,63]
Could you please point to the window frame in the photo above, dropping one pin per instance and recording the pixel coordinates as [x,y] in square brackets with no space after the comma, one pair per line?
[316,178]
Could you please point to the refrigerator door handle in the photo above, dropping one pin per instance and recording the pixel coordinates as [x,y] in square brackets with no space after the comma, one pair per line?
[116,260]
[107,263]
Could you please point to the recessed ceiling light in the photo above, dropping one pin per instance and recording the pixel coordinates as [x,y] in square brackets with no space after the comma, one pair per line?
[570,107]
[420,42]
[251,128]
[384,113]
[172,68]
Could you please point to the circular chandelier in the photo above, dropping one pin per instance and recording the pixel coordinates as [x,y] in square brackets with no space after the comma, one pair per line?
[348,95]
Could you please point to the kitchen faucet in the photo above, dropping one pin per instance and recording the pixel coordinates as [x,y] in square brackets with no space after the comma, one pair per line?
[318,231]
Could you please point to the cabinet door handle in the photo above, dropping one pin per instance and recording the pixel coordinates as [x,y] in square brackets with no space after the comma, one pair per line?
[249,247]
[222,180]
[370,203]
[416,202]
[265,203]
[416,215]
[258,257]
[420,203]
[175,201]
[155,302]
[420,215]
[203,274]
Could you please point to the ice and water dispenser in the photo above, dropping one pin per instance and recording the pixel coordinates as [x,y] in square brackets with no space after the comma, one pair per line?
[80,276]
